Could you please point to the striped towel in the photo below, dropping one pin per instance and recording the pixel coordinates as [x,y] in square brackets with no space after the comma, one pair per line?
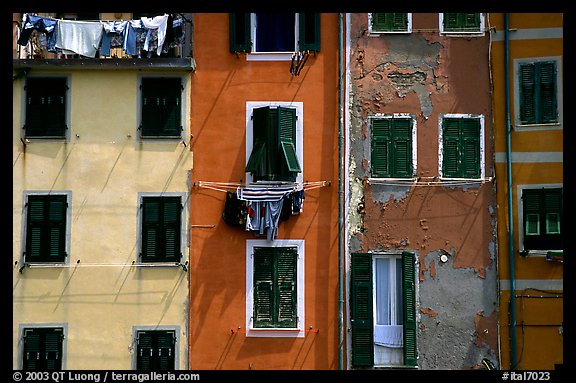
[264,193]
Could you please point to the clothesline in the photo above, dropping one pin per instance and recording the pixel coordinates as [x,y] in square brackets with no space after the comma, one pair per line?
[230,186]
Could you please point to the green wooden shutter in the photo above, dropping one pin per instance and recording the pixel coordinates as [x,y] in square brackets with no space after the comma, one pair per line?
[263,287]
[361,310]
[53,347]
[451,21]
[32,353]
[46,228]
[543,215]
[258,162]
[45,107]
[451,145]
[286,293]
[240,32]
[389,22]
[165,345]
[470,147]
[470,21]
[548,107]
[409,296]
[461,22]
[161,225]
[287,141]
[553,210]
[145,351]
[42,349]
[309,32]
[381,147]
[527,93]
[532,211]
[402,147]
[161,109]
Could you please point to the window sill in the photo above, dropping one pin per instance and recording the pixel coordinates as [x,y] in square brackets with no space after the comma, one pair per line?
[539,253]
[269,56]
[275,333]
[378,33]
[462,33]
[543,126]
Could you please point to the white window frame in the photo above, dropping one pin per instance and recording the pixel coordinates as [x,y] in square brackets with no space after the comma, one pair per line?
[270,56]
[441,144]
[299,331]
[183,226]
[377,33]
[559,99]
[414,144]
[479,33]
[299,106]
[519,202]
[136,329]
[68,194]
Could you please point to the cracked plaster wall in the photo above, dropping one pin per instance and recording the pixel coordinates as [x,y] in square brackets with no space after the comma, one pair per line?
[425,74]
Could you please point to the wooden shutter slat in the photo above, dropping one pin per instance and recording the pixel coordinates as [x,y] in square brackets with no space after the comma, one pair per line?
[409,296]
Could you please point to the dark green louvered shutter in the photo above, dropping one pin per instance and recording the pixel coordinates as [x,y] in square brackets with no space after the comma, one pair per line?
[46,228]
[145,351]
[287,140]
[165,345]
[309,32]
[409,296]
[161,107]
[259,163]
[381,147]
[542,218]
[43,349]
[263,287]
[45,107]
[461,22]
[461,147]
[402,147]
[286,302]
[538,102]
[161,225]
[389,22]
[361,310]
[392,147]
[240,32]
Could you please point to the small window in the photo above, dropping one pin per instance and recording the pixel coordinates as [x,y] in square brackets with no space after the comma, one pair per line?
[161,228]
[461,23]
[161,107]
[389,22]
[275,293]
[383,309]
[42,348]
[274,152]
[155,350]
[538,92]
[46,227]
[274,32]
[461,143]
[542,217]
[391,147]
[45,107]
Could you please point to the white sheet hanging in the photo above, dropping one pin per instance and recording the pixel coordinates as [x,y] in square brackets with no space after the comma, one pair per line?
[389,335]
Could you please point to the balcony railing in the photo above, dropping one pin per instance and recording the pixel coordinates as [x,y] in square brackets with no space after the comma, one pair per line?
[158,41]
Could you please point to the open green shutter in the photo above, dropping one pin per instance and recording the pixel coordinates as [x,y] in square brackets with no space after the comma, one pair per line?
[240,32]
[171,214]
[258,161]
[547,94]
[451,147]
[470,147]
[409,295]
[287,138]
[286,301]
[361,310]
[402,147]
[309,32]
[381,147]
[263,287]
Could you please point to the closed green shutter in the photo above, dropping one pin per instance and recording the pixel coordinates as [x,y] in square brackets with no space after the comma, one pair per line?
[46,228]
[309,32]
[538,103]
[240,32]
[161,226]
[402,147]
[161,109]
[381,147]
[553,208]
[461,22]
[275,294]
[391,147]
[165,345]
[548,108]
[45,107]
[361,310]
[42,349]
[144,352]
[461,147]
[409,296]
[532,212]
[527,93]
[389,22]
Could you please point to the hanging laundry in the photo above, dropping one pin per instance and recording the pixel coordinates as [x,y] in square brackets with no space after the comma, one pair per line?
[287,206]
[273,210]
[263,193]
[298,202]
[234,210]
[159,25]
[79,37]
[113,36]
[43,25]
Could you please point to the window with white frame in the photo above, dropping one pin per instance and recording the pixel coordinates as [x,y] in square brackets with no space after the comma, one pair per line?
[463,24]
[393,146]
[538,93]
[275,288]
[389,23]
[274,142]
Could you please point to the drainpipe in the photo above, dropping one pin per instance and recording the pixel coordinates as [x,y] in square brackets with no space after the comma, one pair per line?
[512,306]
[340,197]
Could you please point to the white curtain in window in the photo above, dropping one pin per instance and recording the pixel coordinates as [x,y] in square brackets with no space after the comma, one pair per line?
[388,328]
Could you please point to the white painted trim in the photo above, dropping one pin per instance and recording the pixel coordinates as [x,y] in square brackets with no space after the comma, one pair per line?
[378,33]
[270,56]
[559,99]
[527,157]
[530,34]
[299,106]
[441,145]
[479,33]
[300,290]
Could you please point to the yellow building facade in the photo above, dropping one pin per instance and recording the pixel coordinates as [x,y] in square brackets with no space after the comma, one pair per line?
[526,59]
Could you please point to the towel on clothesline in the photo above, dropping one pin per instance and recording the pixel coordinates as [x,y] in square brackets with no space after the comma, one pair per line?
[79,37]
